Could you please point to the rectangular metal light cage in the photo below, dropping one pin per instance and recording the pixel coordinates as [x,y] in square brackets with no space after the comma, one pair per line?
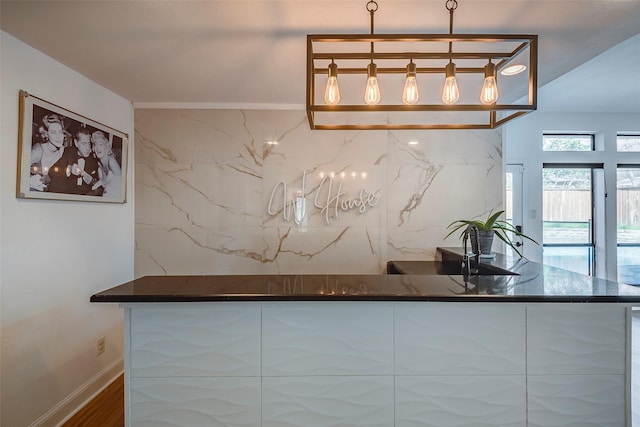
[430,52]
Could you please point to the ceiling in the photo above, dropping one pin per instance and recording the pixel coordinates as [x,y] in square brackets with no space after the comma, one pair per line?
[253,51]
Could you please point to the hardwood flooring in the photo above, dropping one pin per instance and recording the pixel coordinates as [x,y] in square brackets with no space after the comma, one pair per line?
[105,410]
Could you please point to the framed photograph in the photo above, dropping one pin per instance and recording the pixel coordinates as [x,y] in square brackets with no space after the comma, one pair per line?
[65,156]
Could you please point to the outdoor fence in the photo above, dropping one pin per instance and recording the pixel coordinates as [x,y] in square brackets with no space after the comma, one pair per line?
[575,205]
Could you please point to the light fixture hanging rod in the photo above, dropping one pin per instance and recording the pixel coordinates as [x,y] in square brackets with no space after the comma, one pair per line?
[372,7]
[451,5]
[433,70]
[409,55]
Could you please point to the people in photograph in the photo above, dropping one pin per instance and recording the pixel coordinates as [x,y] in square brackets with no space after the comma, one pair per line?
[76,171]
[109,169]
[46,153]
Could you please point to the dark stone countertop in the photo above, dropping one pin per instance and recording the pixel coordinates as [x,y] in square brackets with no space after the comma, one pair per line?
[532,282]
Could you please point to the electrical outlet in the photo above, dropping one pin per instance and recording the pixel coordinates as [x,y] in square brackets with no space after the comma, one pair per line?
[100,346]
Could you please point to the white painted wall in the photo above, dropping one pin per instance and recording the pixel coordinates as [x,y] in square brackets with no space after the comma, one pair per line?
[523,145]
[55,255]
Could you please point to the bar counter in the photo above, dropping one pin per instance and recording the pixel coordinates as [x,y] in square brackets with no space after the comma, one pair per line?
[404,349]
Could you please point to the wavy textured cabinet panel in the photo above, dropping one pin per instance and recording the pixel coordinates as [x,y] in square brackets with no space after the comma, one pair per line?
[576,401]
[175,342]
[576,339]
[472,401]
[334,340]
[327,401]
[376,364]
[460,339]
[195,402]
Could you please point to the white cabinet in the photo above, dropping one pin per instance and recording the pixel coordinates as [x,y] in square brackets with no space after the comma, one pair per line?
[576,339]
[460,339]
[195,402]
[185,341]
[193,365]
[327,340]
[326,365]
[321,401]
[460,365]
[376,364]
[576,359]
[576,400]
[461,401]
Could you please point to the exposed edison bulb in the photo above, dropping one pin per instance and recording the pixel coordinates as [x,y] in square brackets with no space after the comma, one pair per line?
[450,93]
[410,93]
[332,91]
[372,91]
[489,93]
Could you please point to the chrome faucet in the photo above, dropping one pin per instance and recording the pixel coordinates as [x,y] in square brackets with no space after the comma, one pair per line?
[470,235]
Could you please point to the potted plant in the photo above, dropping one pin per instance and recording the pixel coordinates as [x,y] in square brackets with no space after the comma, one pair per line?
[487,229]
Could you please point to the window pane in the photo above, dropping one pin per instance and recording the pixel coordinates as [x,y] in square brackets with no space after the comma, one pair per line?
[566,202]
[629,265]
[628,225]
[628,142]
[628,195]
[509,197]
[567,142]
[574,258]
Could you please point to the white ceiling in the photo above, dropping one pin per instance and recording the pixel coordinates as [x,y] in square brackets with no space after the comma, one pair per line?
[608,83]
[253,51]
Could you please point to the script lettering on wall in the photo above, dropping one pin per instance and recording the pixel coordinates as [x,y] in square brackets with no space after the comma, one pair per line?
[328,196]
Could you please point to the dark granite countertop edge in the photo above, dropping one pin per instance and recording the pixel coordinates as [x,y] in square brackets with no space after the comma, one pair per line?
[355,298]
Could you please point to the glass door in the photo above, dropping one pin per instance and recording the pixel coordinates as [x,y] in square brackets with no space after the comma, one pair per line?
[628,224]
[567,218]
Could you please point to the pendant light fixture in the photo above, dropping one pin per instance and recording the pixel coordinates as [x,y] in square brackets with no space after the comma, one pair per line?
[489,93]
[450,93]
[467,55]
[372,90]
[332,91]
[410,93]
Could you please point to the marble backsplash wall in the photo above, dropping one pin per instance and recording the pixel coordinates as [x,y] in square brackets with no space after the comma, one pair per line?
[214,195]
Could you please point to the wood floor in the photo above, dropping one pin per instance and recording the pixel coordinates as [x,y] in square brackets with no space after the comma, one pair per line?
[105,410]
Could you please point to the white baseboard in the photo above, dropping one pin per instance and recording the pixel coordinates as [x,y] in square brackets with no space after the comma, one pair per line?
[67,407]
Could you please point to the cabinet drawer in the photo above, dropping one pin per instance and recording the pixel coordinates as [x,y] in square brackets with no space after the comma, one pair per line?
[177,342]
[312,340]
[460,339]
[576,339]
[195,402]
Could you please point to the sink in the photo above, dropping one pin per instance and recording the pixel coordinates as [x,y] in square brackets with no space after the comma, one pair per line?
[447,268]
[452,268]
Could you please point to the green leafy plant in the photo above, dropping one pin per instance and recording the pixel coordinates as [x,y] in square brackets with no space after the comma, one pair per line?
[500,228]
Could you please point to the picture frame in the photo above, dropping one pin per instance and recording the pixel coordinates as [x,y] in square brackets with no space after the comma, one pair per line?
[63,155]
